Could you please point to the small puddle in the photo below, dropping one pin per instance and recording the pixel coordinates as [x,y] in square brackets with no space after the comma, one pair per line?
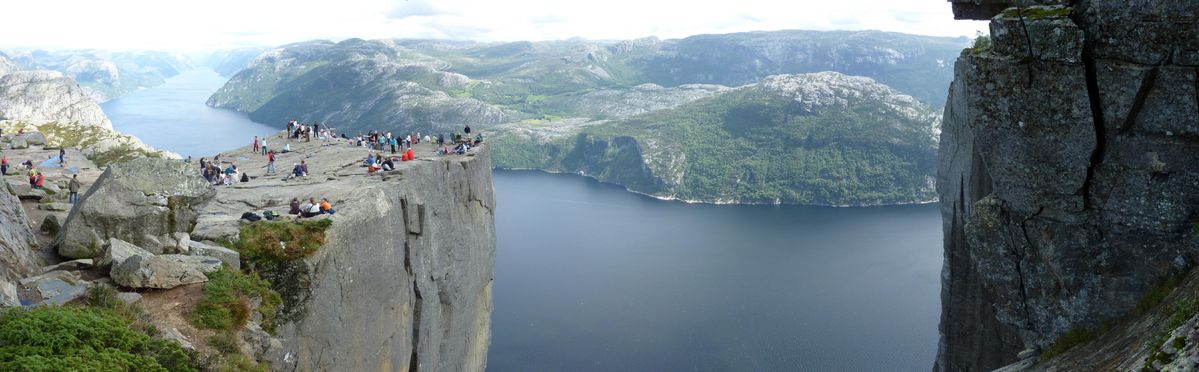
[53,163]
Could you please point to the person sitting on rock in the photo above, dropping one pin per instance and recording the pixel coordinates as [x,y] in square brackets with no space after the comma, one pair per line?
[28,164]
[370,160]
[39,181]
[389,165]
[313,209]
[286,148]
[294,206]
[304,167]
[326,207]
[245,177]
[296,171]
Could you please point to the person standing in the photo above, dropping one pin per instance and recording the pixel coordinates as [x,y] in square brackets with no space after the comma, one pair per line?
[270,162]
[255,144]
[4,165]
[74,188]
[264,151]
[62,154]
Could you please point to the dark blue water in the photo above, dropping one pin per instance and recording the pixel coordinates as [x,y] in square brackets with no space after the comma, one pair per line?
[173,116]
[592,278]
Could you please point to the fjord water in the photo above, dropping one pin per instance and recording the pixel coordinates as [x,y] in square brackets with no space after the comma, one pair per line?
[590,277]
[173,116]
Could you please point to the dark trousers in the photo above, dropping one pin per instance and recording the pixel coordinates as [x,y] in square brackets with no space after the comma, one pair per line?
[4,169]
[73,198]
[393,149]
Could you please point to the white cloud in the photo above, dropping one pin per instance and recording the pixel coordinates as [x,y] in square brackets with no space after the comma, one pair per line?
[199,25]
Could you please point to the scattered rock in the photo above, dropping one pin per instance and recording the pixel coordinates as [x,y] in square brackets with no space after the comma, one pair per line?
[174,335]
[56,206]
[57,287]
[80,264]
[204,264]
[182,242]
[129,298]
[50,224]
[230,257]
[118,251]
[32,194]
[153,245]
[156,272]
[52,188]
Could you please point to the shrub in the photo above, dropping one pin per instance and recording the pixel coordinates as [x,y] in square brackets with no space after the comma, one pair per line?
[71,338]
[982,43]
[226,304]
[281,240]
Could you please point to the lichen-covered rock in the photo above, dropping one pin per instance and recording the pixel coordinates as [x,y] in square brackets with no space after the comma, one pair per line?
[18,143]
[1067,175]
[133,201]
[156,272]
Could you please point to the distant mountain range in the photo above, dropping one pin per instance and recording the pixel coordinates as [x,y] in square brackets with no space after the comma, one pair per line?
[567,105]
[105,75]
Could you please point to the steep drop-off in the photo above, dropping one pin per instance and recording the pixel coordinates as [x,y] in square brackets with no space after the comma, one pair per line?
[1067,175]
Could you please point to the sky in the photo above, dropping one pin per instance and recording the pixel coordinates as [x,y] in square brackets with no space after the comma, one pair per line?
[199,25]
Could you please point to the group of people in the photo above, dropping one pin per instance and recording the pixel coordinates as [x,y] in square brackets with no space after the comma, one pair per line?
[310,208]
[212,172]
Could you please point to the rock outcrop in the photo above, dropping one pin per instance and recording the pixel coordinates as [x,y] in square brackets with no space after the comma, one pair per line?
[47,96]
[17,243]
[1067,177]
[403,281]
[136,201]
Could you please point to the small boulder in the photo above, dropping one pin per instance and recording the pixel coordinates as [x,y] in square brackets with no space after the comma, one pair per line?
[155,272]
[50,224]
[118,251]
[182,242]
[57,287]
[80,264]
[32,194]
[174,335]
[56,206]
[52,188]
[129,298]
[230,257]
[1026,354]
[153,245]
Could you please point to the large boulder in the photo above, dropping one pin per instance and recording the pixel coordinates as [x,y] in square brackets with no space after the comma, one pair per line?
[34,138]
[134,201]
[18,143]
[17,242]
[158,272]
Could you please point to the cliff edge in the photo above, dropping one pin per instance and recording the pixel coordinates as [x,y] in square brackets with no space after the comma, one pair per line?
[1067,171]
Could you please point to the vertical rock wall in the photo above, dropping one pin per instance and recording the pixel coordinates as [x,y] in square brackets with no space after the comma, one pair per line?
[1068,170]
[404,281]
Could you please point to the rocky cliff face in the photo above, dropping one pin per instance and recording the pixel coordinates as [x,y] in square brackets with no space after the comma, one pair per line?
[1067,175]
[403,281]
[17,259]
[47,96]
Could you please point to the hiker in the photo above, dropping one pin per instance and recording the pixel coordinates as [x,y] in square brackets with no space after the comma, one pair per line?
[370,159]
[39,181]
[304,167]
[263,144]
[73,187]
[409,155]
[62,153]
[286,148]
[478,139]
[270,162]
[389,165]
[294,206]
[296,171]
[28,164]
[440,139]
[255,144]
[327,208]
[392,142]
[245,177]
[467,129]
[4,165]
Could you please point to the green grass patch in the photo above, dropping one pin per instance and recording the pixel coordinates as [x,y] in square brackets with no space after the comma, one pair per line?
[226,302]
[74,339]
[1074,337]
[281,240]
[1038,12]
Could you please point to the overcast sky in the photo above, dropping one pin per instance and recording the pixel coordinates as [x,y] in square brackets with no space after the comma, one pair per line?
[211,24]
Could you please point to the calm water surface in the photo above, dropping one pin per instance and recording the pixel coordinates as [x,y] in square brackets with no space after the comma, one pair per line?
[173,116]
[592,278]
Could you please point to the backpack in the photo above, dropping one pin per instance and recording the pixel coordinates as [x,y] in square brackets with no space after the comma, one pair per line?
[250,216]
[270,215]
